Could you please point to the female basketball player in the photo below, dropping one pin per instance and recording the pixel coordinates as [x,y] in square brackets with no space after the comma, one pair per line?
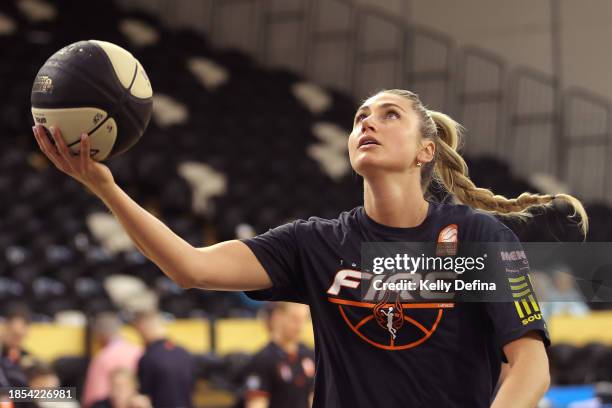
[435,356]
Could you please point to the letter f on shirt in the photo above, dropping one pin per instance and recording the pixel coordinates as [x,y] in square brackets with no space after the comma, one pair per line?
[347,278]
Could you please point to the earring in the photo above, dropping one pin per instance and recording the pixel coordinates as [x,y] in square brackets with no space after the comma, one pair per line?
[419,164]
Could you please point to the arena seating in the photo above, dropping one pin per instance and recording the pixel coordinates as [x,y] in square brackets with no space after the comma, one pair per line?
[250,130]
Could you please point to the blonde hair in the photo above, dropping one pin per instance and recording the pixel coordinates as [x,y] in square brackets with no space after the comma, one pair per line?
[450,170]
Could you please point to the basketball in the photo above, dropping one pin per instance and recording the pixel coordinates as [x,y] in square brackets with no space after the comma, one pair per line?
[94,87]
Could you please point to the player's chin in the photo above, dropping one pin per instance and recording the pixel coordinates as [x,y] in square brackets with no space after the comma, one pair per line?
[374,160]
[368,164]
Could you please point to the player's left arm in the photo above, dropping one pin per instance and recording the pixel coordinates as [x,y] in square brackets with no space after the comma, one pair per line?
[528,377]
[503,372]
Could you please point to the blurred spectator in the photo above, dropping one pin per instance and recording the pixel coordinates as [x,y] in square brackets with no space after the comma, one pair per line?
[14,359]
[165,372]
[139,401]
[543,287]
[282,374]
[115,353]
[123,392]
[41,375]
[603,398]
[566,299]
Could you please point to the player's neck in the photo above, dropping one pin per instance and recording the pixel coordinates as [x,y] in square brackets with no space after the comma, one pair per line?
[395,203]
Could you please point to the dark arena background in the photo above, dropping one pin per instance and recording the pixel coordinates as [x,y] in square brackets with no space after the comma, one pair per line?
[253,104]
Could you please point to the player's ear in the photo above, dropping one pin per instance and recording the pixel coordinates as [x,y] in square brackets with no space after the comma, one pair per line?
[427,152]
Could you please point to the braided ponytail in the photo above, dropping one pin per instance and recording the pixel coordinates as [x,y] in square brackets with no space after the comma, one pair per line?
[450,171]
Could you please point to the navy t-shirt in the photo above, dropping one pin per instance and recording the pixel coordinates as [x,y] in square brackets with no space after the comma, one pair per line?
[440,357]
[285,379]
[167,375]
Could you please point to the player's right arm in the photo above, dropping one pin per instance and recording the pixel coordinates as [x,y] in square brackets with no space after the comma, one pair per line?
[229,265]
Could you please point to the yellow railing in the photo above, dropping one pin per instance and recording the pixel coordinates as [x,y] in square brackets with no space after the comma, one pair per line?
[49,341]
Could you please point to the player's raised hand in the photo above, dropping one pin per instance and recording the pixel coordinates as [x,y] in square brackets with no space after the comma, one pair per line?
[81,167]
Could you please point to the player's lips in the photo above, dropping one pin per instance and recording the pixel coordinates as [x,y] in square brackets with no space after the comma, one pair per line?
[366,140]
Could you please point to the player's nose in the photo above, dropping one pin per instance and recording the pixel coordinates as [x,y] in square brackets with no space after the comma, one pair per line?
[368,124]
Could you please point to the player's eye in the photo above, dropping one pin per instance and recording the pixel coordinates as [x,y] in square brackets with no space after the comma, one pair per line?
[393,114]
[360,117]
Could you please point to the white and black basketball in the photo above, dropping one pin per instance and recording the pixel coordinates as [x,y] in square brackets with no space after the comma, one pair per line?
[95,87]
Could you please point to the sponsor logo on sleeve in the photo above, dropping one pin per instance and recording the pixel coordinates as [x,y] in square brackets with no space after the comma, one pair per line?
[525,303]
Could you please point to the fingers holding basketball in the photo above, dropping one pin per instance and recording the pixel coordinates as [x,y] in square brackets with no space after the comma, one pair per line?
[79,166]
[85,152]
[57,151]
[94,173]
[66,155]
[46,147]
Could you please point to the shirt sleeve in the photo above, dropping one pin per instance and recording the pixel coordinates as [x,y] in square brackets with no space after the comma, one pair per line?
[258,382]
[278,252]
[518,313]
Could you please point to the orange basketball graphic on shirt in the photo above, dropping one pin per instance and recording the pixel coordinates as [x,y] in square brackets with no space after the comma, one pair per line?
[447,241]
[392,326]
[448,234]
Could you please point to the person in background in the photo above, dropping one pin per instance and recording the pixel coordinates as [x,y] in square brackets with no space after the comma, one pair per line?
[115,353]
[165,371]
[41,375]
[14,358]
[123,392]
[565,297]
[282,374]
[4,396]
[542,286]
